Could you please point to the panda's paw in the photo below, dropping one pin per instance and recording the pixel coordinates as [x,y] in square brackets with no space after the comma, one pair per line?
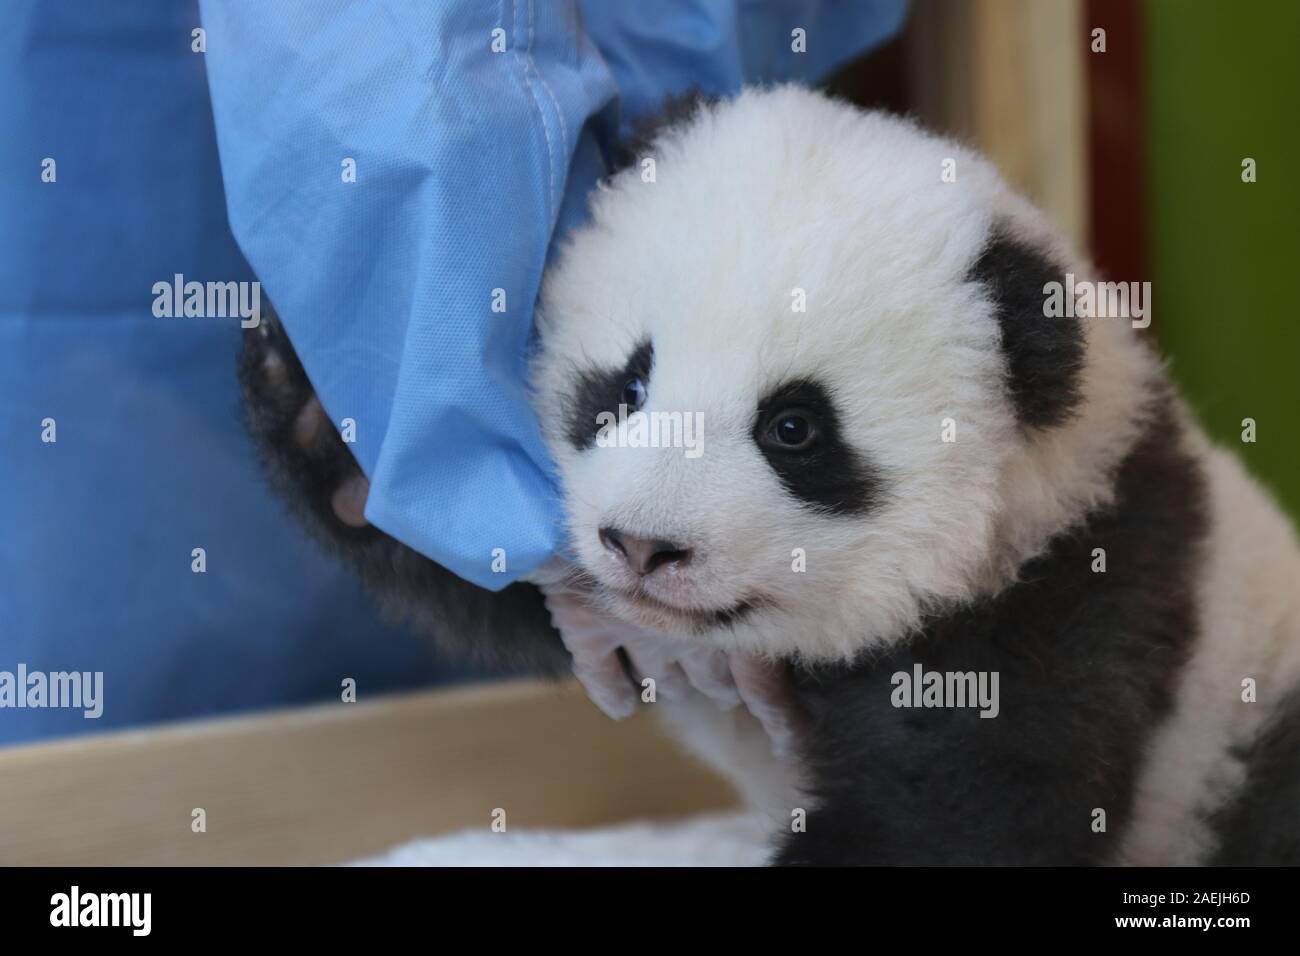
[312,468]
[307,459]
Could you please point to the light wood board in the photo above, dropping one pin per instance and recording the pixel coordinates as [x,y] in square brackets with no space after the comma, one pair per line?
[336,782]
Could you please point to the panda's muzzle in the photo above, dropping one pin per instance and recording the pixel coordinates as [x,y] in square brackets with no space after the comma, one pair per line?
[644,556]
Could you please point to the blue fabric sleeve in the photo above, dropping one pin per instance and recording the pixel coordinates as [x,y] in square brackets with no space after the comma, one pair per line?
[151,460]
[474,128]
[661,49]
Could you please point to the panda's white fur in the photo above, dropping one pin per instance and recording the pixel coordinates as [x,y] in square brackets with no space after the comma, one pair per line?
[1249,616]
[784,190]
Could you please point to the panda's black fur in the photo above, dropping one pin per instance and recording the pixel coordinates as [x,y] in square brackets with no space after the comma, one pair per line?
[306,460]
[1044,359]
[1087,663]
[1260,825]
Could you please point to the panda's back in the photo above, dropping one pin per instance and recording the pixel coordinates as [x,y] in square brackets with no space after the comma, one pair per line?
[1221,782]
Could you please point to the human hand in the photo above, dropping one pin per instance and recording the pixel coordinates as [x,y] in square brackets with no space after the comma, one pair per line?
[678,667]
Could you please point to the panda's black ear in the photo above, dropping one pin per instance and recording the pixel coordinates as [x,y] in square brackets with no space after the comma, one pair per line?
[1045,355]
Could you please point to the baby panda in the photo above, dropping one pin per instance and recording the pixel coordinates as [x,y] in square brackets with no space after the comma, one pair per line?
[906,470]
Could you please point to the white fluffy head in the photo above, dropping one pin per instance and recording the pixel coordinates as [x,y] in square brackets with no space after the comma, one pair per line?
[787,240]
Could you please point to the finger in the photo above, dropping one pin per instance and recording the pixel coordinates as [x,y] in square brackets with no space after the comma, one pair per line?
[583,631]
[606,683]
[274,371]
[582,640]
[650,658]
[764,689]
[673,684]
[349,501]
[709,672]
[309,422]
[593,650]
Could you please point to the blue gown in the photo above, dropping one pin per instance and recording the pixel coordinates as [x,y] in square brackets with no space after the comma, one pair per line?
[390,171]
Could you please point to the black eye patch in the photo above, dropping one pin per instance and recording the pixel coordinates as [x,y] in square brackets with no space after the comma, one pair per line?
[825,471]
[602,390]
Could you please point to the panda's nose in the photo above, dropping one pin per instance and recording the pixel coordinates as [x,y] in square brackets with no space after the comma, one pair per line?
[644,555]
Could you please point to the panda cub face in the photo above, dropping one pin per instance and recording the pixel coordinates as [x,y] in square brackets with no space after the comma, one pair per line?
[826,342]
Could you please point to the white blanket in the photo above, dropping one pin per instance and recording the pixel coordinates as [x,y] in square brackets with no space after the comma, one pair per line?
[733,839]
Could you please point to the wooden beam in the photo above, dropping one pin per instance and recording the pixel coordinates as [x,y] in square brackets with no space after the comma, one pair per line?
[1008,77]
[337,782]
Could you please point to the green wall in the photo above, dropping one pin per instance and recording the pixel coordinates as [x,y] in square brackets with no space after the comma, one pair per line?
[1223,84]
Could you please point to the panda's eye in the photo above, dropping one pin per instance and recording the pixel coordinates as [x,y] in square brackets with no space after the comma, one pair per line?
[793,430]
[633,393]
